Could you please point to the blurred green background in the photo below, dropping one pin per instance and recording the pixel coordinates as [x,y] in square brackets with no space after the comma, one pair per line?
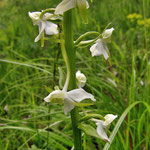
[28,73]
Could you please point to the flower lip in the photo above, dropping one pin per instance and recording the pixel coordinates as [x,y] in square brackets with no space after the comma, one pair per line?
[51,28]
[101,131]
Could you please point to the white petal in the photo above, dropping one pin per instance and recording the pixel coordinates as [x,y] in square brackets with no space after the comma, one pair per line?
[101,131]
[87,4]
[104,51]
[94,50]
[79,94]
[34,15]
[68,105]
[108,119]
[107,33]
[42,26]
[100,49]
[51,28]
[81,78]
[64,6]
[57,94]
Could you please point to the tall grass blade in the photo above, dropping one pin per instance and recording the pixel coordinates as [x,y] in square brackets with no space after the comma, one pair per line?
[112,136]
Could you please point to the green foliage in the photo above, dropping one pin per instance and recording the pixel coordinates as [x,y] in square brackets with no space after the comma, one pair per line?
[28,72]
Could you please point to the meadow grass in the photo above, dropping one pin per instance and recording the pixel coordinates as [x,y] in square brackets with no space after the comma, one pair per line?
[28,73]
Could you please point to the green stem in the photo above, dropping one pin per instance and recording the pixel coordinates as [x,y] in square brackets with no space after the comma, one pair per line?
[69,46]
[70,52]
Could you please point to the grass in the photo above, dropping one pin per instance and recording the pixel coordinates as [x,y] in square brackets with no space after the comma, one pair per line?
[28,73]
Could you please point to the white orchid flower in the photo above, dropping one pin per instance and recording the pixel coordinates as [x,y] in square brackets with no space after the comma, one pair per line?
[44,25]
[81,79]
[100,47]
[69,98]
[102,125]
[66,5]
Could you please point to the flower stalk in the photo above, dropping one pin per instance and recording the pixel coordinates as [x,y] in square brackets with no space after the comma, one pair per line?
[70,52]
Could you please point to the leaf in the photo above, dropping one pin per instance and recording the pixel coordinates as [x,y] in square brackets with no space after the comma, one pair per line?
[41,132]
[25,64]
